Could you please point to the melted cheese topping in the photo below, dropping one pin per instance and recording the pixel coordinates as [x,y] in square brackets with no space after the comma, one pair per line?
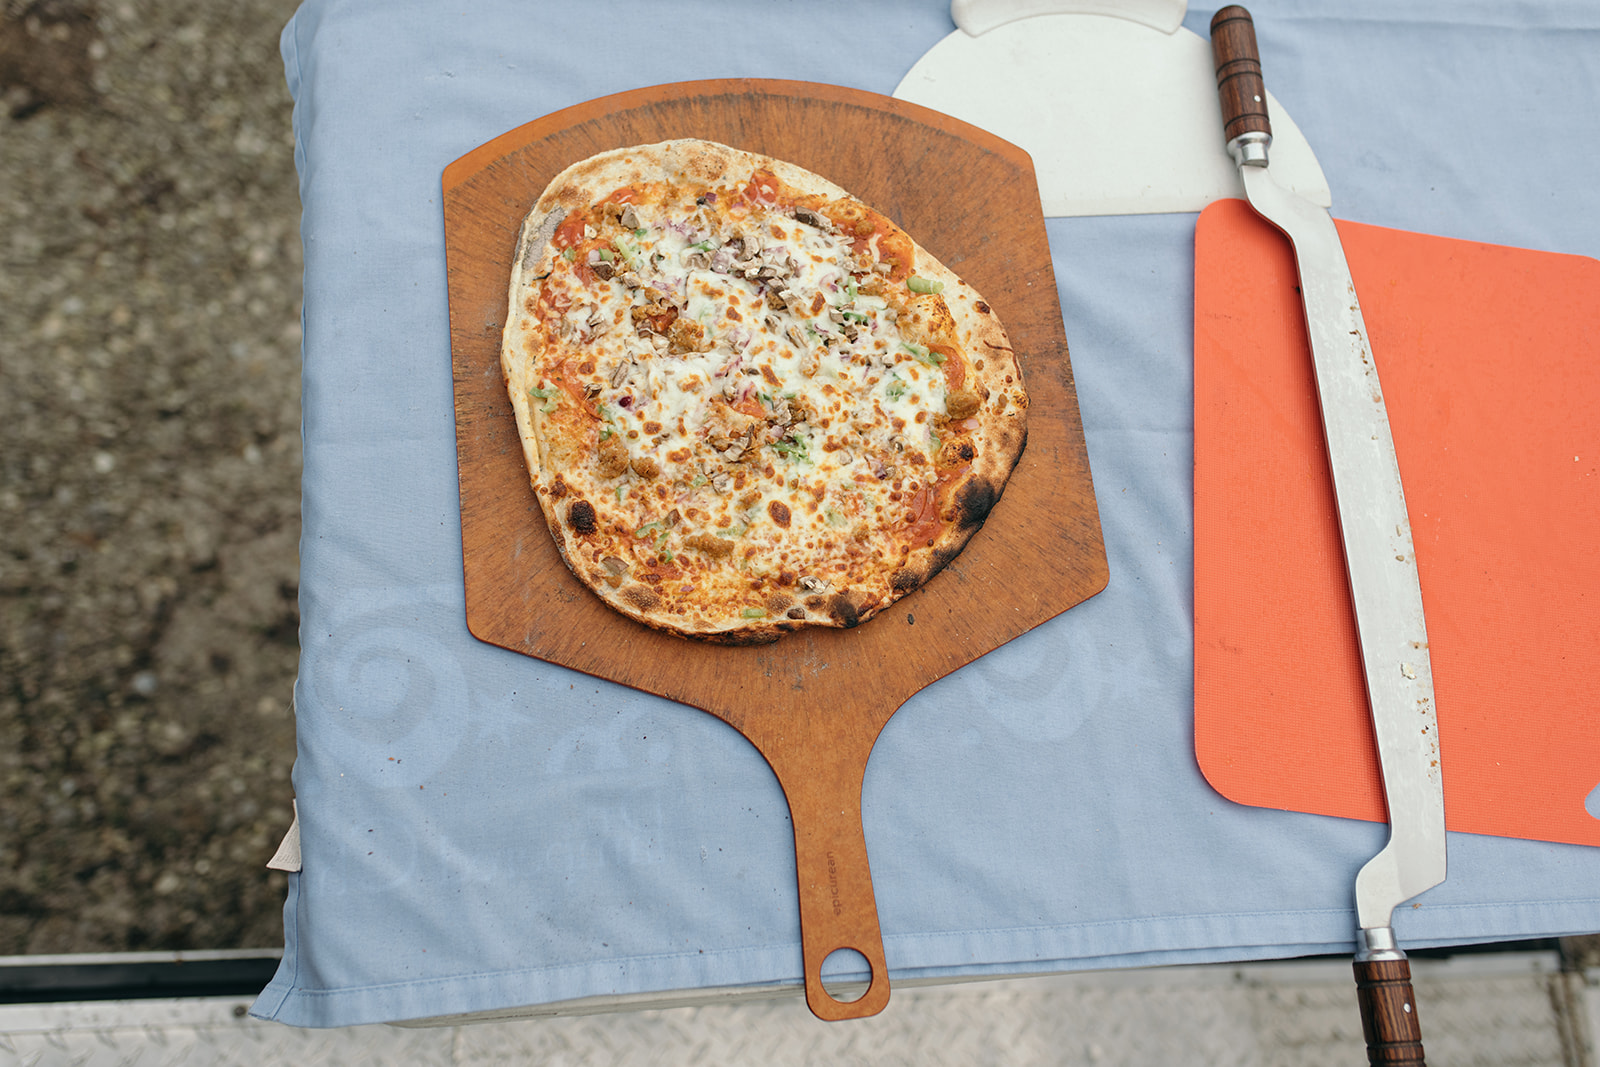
[753,396]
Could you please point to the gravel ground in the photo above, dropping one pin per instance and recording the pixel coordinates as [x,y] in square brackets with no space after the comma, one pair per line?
[149,473]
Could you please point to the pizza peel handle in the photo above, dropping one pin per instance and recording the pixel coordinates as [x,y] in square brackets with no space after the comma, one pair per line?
[822,782]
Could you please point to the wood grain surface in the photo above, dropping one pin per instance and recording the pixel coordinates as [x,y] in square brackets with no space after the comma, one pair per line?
[815,702]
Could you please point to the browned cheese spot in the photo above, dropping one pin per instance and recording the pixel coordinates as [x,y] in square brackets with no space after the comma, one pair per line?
[779,512]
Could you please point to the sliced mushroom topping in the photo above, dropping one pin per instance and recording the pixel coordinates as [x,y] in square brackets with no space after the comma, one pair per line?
[811,584]
[620,372]
[630,218]
[812,218]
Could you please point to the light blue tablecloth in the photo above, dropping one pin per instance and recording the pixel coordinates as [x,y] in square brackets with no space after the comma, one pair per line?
[482,830]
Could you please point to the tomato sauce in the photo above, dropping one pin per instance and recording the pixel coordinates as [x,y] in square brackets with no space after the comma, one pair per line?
[763,187]
[954,367]
[926,522]
[554,299]
[570,233]
[574,390]
[627,194]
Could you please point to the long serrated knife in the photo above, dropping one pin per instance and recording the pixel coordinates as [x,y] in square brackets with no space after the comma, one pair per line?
[1379,557]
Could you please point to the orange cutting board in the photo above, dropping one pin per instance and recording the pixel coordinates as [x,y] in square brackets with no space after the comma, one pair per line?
[1490,362]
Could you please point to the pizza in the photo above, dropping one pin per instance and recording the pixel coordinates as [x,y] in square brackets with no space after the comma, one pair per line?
[749,402]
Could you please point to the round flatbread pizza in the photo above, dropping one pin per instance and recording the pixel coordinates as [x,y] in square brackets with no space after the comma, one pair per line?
[749,402]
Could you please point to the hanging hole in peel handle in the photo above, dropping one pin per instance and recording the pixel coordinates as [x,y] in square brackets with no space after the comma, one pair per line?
[846,975]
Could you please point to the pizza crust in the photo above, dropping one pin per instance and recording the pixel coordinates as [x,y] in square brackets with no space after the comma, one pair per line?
[600,353]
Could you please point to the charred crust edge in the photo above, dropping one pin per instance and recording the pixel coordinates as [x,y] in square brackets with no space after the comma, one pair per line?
[843,610]
[582,518]
[975,500]
[640,596]
[905,580]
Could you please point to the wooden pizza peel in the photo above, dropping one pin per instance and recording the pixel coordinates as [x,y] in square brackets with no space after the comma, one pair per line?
[814,702]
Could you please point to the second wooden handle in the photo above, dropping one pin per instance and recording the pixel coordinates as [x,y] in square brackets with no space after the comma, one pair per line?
[1389,1013]
[1238,64]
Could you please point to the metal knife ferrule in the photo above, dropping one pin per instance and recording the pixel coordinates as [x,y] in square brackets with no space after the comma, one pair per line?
[1250,149]
[1378,943]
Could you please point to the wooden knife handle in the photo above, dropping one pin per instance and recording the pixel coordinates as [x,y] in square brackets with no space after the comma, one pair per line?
[1238,64]
[1389,1013]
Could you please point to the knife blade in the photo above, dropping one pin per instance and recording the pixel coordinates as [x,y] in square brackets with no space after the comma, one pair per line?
[1380,559]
